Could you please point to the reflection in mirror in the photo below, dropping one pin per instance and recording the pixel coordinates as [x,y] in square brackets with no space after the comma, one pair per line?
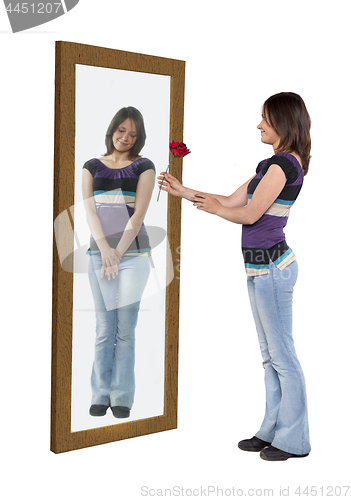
[118,323]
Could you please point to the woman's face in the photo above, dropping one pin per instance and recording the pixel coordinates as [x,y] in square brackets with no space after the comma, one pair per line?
[268,134]
[125,136]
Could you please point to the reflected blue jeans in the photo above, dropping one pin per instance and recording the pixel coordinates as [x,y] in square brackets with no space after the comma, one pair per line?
[116,306]
[285,422]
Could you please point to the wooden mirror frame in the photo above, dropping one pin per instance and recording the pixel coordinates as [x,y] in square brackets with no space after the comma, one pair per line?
[67,56]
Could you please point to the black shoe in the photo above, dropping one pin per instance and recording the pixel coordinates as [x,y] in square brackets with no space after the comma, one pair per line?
[120,411]
[253,444]
[98,410]
[274,455]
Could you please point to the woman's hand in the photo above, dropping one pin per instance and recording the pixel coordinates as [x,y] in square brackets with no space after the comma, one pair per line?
[171,184]
[206,203]
[109,271]
[110,260]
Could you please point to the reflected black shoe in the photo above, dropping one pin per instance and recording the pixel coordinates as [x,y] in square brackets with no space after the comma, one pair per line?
[253,444]
[98,410]
[120,411]
[272,454]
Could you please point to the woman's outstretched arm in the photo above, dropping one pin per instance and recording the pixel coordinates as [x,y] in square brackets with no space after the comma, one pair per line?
[174,187]
[264,196]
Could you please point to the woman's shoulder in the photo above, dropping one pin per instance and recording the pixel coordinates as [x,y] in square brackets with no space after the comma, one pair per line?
[142,164]
[91,165]
[141,159]
[287,162]
[287,157]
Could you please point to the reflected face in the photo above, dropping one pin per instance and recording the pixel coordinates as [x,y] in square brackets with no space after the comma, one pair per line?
[125,136]
[268,134]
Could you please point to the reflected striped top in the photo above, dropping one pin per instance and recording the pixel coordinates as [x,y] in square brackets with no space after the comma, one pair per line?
[265,239]
[114,194]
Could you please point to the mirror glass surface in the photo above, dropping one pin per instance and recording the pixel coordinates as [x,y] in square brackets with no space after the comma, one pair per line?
[100,93]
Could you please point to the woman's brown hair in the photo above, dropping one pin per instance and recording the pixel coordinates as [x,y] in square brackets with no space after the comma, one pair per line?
[287,114]
[121,115]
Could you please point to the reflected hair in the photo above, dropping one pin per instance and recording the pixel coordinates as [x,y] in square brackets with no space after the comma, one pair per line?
[287,114]
[120,116]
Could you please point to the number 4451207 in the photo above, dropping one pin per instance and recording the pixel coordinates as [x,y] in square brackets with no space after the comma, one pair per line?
[324,491]
[33,8]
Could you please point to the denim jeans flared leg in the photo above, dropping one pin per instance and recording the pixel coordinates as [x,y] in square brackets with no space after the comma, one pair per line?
[117,303]
[285,422]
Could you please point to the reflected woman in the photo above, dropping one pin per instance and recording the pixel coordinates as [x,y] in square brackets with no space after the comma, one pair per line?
[262,206]
[117,189]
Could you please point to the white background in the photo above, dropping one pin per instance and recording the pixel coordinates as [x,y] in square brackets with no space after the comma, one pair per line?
[237,54]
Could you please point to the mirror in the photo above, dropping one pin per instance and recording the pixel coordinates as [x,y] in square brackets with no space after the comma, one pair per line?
[92,84]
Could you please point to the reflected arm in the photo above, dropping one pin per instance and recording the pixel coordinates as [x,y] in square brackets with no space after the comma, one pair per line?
[92,218]
[110,256]
[143,194]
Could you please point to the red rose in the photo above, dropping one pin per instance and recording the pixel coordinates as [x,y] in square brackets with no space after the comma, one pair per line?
[178,149]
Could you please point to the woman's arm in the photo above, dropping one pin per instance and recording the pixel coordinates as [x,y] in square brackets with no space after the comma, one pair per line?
[174,187]
[238,198]
[143,194]
[110,256]
[265,194]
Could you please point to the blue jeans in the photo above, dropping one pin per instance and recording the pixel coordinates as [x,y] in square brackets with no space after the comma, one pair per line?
[285,423]
[116,306]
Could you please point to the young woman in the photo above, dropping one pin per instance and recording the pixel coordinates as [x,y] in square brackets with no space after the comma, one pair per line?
[262,206]
[117,190]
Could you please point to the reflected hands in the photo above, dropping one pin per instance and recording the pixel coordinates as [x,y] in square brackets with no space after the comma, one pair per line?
[109,271]
[206,203]
[110,260]
[170,184]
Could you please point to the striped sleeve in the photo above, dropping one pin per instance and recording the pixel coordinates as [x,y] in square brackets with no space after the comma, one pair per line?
[145,165]
[285,164]
[89,166]
[259,166]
